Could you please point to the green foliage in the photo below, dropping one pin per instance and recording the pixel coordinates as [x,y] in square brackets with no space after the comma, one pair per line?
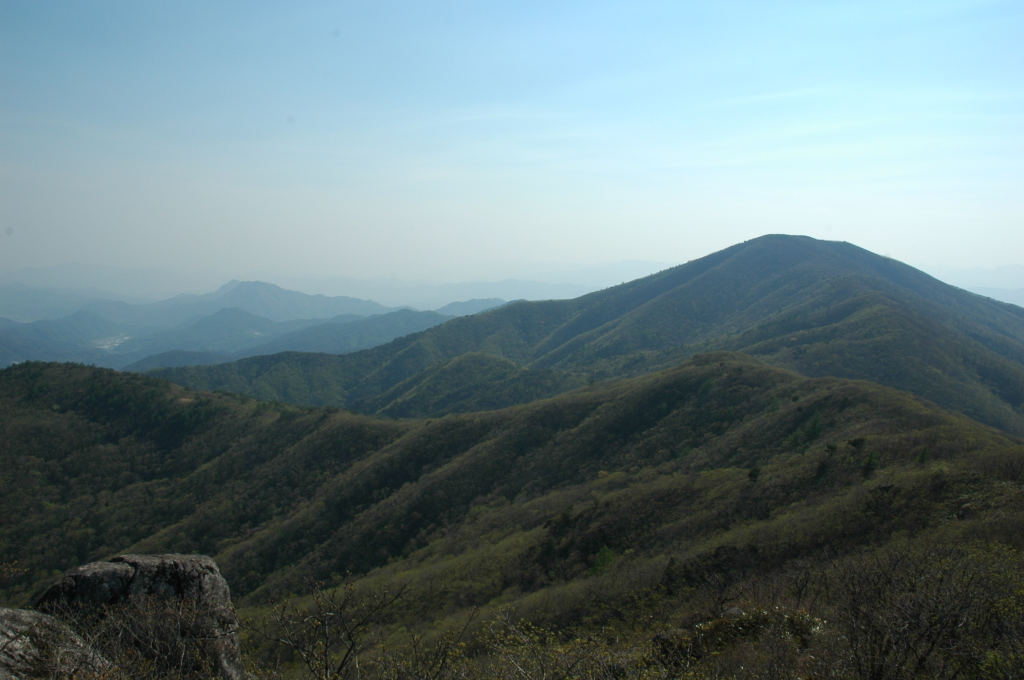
[604,559]
[469,382]
[354,335]
[602,516]
[278,494]
[870,463]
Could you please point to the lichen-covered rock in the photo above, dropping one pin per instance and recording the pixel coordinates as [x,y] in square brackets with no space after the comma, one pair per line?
[33,644]
[131,580]
[93,585]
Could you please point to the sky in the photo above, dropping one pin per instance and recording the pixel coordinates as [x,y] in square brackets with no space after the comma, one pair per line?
[450,141]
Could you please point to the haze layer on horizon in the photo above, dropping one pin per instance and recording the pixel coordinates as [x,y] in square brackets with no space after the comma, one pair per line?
[447,141]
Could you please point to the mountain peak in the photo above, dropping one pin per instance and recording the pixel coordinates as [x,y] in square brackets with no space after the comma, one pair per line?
[817,307]
[227,287]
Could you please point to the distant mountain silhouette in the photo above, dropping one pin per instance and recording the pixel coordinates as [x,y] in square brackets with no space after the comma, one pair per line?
[227,330]
[270,301]
[434,296]
[26,304]
[21,303]
[81,337]
[1013,296]
[818,307]
[201,323]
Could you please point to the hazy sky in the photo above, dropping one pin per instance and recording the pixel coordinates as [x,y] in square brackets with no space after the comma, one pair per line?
[447,140]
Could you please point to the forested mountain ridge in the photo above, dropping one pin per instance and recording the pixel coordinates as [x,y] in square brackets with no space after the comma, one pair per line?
[116,334]
[362,333]
[474,381]
[270,301]
[233,333]
[721,450]
[227,330]
[818,307]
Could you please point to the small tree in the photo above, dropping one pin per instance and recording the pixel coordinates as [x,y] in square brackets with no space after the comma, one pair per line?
[331,633]
[443,659]
[907,612]
[149,636]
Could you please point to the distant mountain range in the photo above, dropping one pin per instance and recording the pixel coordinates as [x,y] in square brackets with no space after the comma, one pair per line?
[817,307]
[24,303]
[19,302]
[1007,277]
[77,337]
[436,296]
[1013,296]
[231,334]
[232,322]
[226,330]
[138,285]
[267,300]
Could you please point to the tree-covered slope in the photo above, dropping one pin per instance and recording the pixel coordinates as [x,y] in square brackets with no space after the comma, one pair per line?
[466,307]
[722,450]
[352,335]
[868,335]
[233,333]
[178,357]
[76,337]
[819,307]
[227,330]
[469,382]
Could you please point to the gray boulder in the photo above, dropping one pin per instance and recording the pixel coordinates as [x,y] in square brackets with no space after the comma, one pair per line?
[33,644]
[138,586]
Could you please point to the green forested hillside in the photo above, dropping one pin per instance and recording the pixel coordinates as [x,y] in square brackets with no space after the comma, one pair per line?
[821,308]
[499,506]
[352,335]
[233,333]
[466,307]
[227,330]
[178,357]
[76,337]
[469,382]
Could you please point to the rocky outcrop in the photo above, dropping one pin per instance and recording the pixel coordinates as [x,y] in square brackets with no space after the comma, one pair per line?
[141,584]
[33,644]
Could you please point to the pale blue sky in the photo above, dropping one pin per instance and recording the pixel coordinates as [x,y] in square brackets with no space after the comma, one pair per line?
[451,140]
